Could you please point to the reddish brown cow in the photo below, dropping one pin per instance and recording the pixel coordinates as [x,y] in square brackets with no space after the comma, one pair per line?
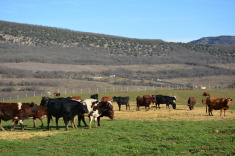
[56,94]
[17,112]
[206,94]
[41,112]
[106,98]
[191,102]
[218,104]
[76,98]
[108,113]
[145,101]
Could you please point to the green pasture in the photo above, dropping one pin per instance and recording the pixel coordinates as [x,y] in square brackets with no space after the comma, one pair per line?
[127,137]
[182,95]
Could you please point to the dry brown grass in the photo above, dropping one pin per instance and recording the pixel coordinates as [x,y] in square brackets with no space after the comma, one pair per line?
[181,113]
[13,135]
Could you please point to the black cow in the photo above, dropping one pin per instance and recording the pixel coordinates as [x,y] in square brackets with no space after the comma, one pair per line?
[122,101]
[94,96]
[63,107]
[168,100]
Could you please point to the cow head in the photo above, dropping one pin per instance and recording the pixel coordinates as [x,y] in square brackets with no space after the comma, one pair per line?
[109,105]
[34,107]
[190,106]
[111,114]
[174,105]
[229,101]
[114,99]
[44,101]
[84,108]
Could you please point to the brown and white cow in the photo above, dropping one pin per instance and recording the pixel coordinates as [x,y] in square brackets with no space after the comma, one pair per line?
[217,104]
[57,94]
[41,112]
[191,102]
[100,108]
[17,112]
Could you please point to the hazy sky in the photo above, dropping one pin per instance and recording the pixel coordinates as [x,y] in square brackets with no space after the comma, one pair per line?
[169,20]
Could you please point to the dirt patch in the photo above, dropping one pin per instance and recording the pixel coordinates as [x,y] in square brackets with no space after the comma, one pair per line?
[11,135]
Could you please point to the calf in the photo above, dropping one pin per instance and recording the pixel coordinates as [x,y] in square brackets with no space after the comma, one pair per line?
[98,109]
[191,102]
[218,104]
[122,101]
[41,112]
[16,112]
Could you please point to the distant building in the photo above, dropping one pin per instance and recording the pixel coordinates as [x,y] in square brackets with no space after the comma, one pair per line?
[202,87]
[111,75]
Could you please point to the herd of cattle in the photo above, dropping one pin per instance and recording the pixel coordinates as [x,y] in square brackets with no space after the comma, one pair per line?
[69,107]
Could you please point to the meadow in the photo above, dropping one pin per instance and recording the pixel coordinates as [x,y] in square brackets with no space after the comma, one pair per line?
[154,132]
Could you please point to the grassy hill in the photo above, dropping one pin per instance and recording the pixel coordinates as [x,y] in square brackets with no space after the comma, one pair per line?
[55,55]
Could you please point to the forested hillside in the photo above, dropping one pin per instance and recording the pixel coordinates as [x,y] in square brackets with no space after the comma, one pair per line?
[134,61]
[30,43]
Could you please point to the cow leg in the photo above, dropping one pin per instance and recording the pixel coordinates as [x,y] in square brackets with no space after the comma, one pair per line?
[14,125]
[1,125]
[21,124]
[210,112]
[56,120]
[48,120]
[119,107]
[81,117]
[40,118]
[98,119]
[66,122]
[221,112]
[34,122]
[91,118]
[83,120]
[96,122]
[79,120]
[73,123]
[224,112]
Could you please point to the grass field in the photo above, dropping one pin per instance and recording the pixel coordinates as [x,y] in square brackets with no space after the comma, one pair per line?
[153,132]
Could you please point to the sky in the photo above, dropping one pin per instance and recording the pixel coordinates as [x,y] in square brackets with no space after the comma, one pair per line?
[168,20]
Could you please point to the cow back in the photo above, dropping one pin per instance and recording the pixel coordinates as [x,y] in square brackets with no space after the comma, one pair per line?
[106,98]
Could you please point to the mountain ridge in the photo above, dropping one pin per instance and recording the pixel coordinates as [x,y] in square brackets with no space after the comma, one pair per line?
[218,40]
